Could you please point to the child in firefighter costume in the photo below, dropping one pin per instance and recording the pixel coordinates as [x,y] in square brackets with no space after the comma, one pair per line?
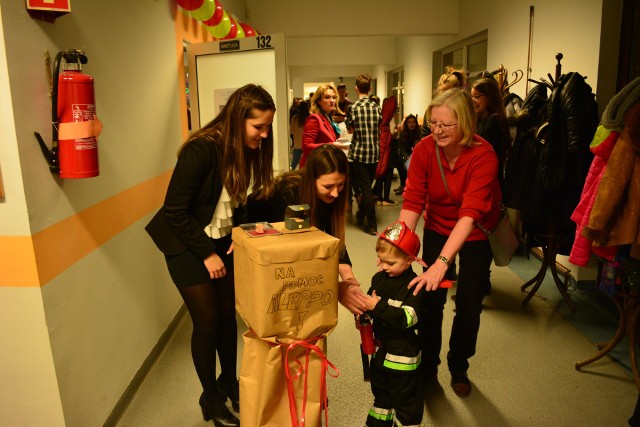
[395,382]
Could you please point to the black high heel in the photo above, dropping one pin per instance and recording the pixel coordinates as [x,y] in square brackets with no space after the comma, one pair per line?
[218,412]
[231,391]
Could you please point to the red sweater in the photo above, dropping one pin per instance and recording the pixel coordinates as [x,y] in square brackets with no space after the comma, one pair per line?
[473,184]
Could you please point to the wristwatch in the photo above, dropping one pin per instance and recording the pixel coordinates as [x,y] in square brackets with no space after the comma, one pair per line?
[444,259]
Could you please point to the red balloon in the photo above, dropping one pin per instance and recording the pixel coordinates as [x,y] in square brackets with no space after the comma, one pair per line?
[248,31]
[216,17]
[190,4]
[233,31]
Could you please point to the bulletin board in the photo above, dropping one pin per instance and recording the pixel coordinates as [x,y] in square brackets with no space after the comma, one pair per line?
[218,68]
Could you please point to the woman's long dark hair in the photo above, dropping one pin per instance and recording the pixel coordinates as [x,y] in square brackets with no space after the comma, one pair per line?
[324,160]
[227,130]
[410,135]
[302,112]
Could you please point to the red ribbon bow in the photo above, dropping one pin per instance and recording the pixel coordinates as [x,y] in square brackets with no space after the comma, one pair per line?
[310,347]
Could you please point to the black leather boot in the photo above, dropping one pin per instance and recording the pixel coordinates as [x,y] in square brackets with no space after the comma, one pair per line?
[231,391]
[218,413]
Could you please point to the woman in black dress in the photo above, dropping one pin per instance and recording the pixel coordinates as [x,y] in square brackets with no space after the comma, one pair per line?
[206,197]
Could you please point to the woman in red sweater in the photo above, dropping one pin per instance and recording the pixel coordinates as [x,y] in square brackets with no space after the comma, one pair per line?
[320,128]
[470,195]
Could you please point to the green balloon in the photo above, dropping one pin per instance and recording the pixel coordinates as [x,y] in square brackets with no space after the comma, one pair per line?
[205,11]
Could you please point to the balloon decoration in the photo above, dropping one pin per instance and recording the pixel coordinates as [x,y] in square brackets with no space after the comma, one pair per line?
[216,17]
[190,4]
[248,31]
[217,21]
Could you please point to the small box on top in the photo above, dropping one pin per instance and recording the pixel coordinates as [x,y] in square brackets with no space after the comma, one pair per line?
[296,217]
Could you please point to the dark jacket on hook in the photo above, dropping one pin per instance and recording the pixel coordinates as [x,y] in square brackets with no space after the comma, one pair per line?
[551,157]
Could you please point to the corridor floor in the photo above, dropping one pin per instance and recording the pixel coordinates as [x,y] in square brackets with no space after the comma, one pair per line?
[522,374]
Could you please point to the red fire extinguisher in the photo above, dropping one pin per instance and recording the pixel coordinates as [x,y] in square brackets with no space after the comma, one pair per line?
[368,345]
[75,128]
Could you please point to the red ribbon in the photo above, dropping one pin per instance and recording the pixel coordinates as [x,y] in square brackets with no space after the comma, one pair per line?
[310,347]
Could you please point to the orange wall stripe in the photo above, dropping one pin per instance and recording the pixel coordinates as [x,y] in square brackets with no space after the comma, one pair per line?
[17,262]
[61,245]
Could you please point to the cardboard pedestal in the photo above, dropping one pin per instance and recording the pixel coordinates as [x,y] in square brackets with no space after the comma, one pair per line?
[287,293]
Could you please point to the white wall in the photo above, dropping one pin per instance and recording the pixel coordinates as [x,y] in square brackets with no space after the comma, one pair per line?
[97,319]
[569,26]
[13,210]
[340,18]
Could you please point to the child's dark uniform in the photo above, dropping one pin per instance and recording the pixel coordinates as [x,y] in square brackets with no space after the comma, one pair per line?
[395,382]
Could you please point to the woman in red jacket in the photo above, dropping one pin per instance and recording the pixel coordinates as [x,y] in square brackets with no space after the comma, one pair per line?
[468,195]
[320,128]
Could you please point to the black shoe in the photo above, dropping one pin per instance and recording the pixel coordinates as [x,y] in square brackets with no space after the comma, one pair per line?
[218,413]
[460,384]
[231,391]
[370,230]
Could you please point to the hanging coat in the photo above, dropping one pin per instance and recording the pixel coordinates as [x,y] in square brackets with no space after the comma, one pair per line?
[389,106]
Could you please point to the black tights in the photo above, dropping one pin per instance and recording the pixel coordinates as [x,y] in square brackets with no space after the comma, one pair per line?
[212,309]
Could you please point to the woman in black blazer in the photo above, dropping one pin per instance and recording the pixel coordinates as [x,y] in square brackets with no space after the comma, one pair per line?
[205,199]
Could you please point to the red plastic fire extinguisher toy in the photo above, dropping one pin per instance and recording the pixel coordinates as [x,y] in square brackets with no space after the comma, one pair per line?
[75,127]
[368,345]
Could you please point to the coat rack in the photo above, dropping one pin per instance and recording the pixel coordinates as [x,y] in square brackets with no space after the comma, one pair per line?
[550,242]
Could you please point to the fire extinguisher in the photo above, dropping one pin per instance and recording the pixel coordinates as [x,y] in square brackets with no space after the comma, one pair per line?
[368,345]
[75,128]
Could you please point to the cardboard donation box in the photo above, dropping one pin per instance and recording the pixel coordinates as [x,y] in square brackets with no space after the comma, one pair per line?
[287,284]
[287,294]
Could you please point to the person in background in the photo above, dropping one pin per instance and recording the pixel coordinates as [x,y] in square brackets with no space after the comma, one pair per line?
[292,111]
[296,127]
[492,124]
[321,184]
[453,178]
[363,121]
[408,134]
[294,107]
[388,154]
[343,103]
[397,391]
[205,199]
[319,128]
[451,78]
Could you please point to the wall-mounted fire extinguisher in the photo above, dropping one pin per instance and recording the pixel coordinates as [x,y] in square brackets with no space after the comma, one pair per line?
[75,127]
[367,345]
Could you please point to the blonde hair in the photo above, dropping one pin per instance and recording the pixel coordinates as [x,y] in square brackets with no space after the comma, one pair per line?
[317,96]
[452,78]
[459,102]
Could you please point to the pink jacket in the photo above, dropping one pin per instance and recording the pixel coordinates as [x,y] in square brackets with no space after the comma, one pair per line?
[582,247]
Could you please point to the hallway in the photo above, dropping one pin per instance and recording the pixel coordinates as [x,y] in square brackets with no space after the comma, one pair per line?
[522,375]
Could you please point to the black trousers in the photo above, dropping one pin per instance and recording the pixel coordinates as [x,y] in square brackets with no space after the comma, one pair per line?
[363,175]
[400,393]
[473,278]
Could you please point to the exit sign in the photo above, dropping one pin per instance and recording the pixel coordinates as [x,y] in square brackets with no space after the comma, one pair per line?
[50,5]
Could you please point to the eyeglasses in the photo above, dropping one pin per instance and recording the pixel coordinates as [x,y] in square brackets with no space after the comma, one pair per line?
[476,97]
[447,128]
